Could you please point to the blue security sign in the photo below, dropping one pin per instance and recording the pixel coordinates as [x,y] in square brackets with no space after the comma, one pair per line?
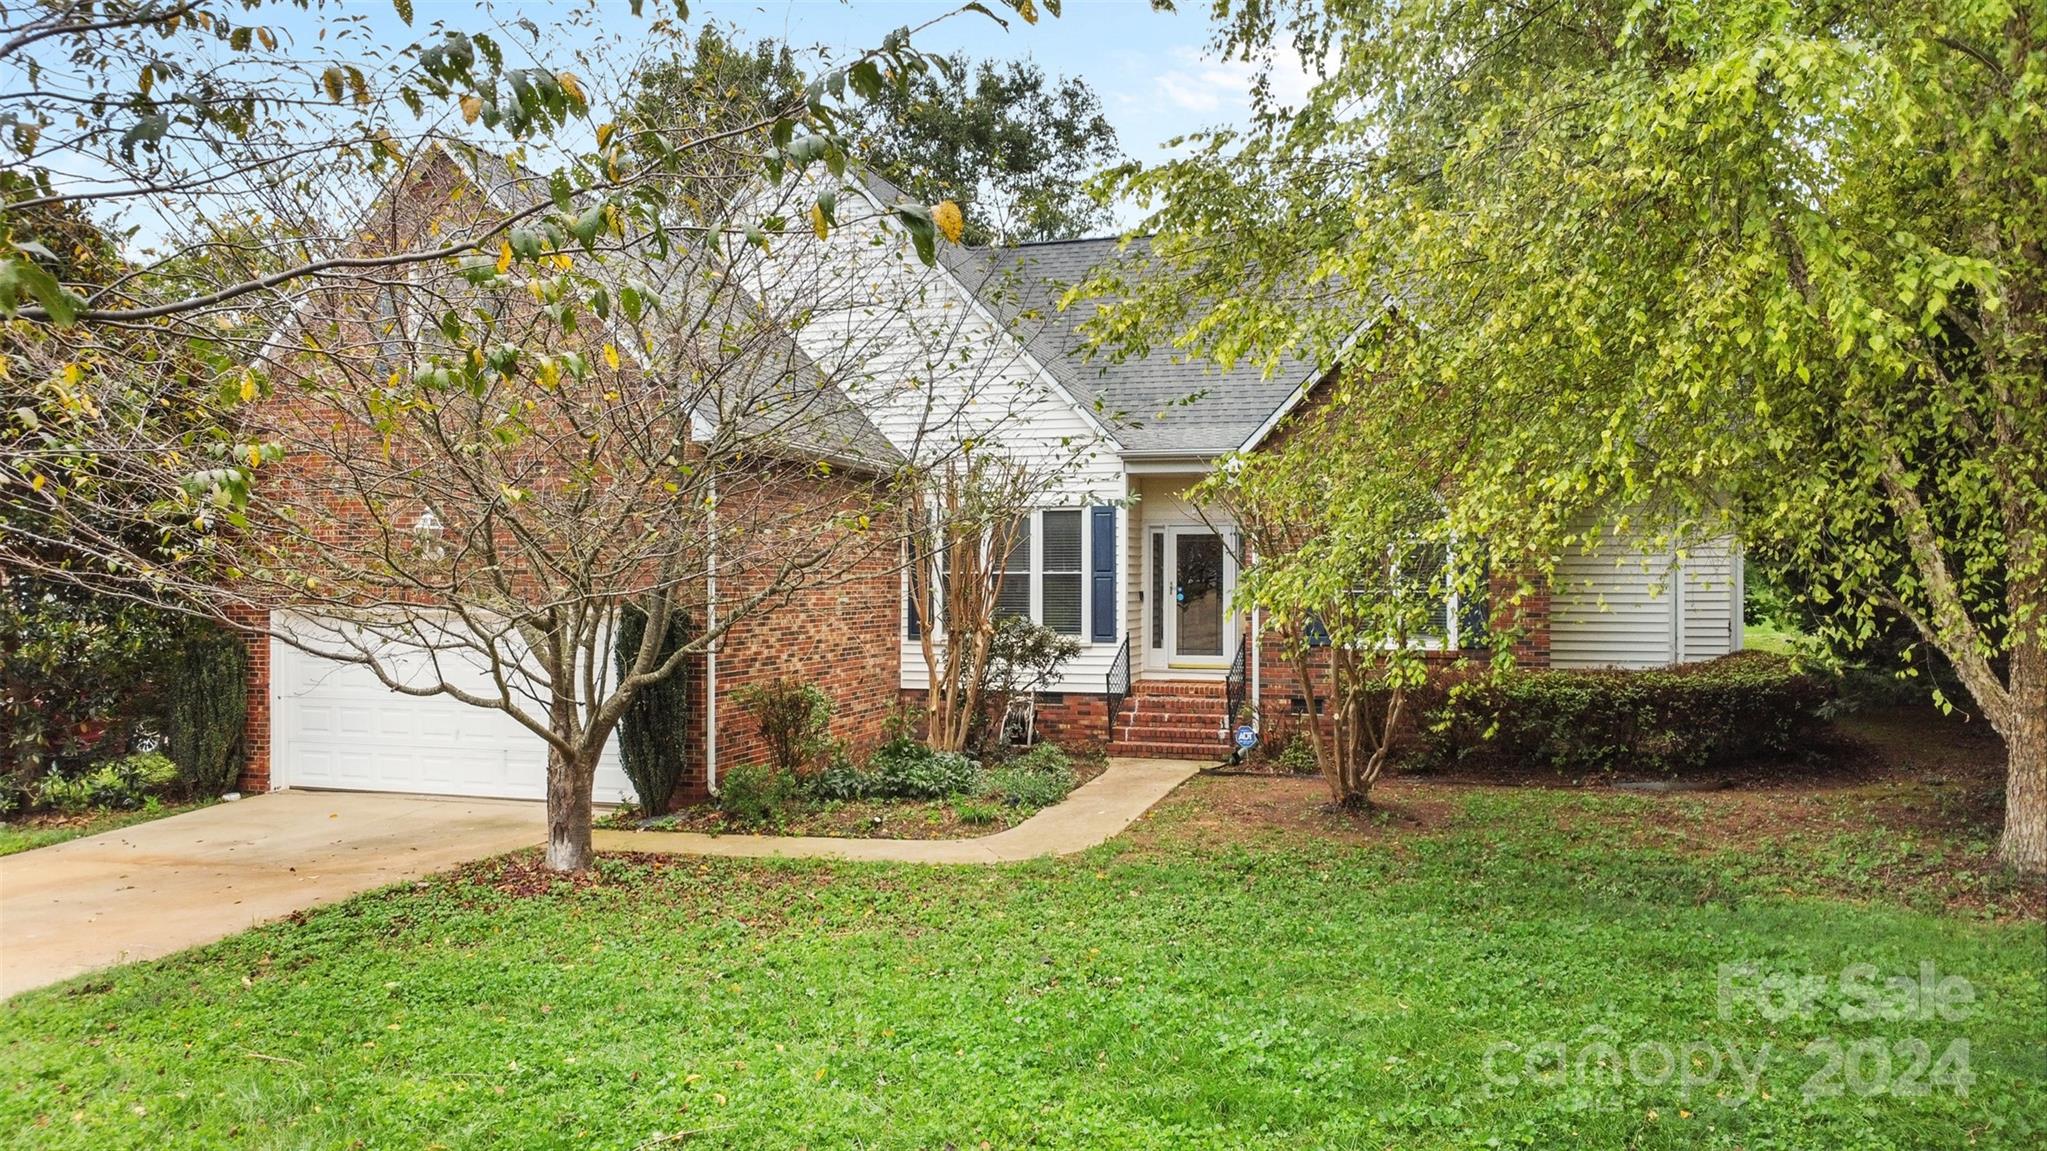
[1247,737]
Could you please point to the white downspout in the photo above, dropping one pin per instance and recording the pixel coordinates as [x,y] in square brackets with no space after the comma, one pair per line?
[711,653]
[1257,693]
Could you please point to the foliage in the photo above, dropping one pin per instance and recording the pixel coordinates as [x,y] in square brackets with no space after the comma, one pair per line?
[1006,991]
[978,814]
[965,517]
[1733,710]
[794,719]
[1025,655]
[78,672]
[1297,755]
[209,709]
[754,793]
[30,832]
[654,729]
[906,769]
[1352,564]
[1010,145]
[839,780]
[113,785]
[1719,265]
[1046,758]
[1027,789]
[452,360]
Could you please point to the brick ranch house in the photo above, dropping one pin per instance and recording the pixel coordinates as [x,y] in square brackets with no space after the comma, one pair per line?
[1115,555]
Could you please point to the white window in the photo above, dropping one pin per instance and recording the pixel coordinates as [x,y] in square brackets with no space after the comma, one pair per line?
[1044,577]
[1060,577]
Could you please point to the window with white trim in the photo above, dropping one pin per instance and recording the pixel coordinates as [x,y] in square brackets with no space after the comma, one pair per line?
[1014,597]
[1060,576]
[1044,577]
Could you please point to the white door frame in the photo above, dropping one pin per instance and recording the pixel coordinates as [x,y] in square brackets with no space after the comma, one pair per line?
[1163,660]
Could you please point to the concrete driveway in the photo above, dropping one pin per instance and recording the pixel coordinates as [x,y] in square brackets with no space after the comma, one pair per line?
[160,887]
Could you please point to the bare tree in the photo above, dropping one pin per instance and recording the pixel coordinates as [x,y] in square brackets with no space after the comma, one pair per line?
[450,436]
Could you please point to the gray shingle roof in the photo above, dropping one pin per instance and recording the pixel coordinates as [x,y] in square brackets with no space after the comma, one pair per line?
[1163,402]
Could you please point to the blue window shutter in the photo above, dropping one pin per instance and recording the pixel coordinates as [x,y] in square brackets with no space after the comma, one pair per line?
[1103,573]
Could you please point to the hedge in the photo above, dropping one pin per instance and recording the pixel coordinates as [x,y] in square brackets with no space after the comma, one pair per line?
[1735,709]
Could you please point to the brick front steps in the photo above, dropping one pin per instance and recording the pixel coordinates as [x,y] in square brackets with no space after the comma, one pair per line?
[1172,719]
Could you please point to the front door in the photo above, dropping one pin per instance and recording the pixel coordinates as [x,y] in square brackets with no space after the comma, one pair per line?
[1197,612]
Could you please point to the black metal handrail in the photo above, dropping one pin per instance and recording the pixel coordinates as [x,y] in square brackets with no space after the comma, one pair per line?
[1118,686]
[1234,686]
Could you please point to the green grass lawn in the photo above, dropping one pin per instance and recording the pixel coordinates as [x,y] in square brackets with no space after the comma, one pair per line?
[42,831]
[1239,971]
[1776,638]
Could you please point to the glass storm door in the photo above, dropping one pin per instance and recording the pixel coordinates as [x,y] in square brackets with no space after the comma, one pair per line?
[1198,597]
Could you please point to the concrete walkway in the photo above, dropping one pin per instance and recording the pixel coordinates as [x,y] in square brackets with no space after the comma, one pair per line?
[1097,810]
[156,888]
[159,887]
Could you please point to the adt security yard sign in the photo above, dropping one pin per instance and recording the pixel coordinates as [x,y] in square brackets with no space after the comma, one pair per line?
[1247,737]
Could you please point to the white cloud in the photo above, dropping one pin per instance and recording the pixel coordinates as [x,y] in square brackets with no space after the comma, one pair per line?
[1202,83]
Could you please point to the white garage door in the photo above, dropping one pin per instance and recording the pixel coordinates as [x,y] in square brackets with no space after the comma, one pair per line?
[336,725]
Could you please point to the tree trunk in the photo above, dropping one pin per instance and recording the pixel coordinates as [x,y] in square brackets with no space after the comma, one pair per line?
[2024,842]
[569,782]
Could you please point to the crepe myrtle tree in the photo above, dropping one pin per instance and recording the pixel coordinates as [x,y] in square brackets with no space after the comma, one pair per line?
[1774,268]
[966,519]
[1348,557]
[455,433]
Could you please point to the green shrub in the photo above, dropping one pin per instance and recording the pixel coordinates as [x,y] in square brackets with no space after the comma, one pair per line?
[795,721]
[117,784]
[1029,787]
[1045,757]
[1734,709]
[840,779]
[906,769]
[979,814]
[1297,755]
[80,674]
[209,705]
[653,734]
[754,793]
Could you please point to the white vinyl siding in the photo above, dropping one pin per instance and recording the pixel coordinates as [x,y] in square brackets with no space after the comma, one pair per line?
[1627,605]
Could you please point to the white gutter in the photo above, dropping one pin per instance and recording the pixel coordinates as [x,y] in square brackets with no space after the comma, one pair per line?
[711,653]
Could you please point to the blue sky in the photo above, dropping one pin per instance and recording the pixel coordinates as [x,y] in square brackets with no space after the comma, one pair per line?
[1150,68]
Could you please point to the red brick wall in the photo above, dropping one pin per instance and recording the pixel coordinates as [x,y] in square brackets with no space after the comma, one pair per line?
[256,730]
[1071,719]
[837,631]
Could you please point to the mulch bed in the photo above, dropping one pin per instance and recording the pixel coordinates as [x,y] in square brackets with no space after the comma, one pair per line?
[863,819]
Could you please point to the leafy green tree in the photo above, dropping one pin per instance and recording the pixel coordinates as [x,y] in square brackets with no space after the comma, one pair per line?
[1350,562]
[1761,265]
[1010,145]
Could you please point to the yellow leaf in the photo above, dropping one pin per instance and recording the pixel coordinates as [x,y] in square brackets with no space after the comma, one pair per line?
[504,257]
[330,81]
[472,107]
[248,386]
[950,222]
[572,86]
[268,38]
[604,132]
[611,357]
[818,223]
[255,455]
